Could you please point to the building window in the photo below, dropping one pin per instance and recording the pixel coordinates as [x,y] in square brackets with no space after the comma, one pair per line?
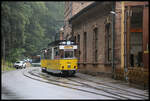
[135,37]
[78,42]
[95,44]
[84,46]
[75,40]
[108,43]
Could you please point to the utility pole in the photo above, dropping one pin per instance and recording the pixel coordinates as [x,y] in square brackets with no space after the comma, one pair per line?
[113,32]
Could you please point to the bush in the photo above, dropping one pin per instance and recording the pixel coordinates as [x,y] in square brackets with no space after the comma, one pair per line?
[7,66]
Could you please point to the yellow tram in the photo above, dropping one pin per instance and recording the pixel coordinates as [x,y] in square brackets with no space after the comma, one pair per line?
[59,57]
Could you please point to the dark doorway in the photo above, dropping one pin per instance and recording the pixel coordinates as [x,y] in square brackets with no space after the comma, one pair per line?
[135,36]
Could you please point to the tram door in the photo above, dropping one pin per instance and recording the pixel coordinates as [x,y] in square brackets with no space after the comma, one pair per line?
[137,36]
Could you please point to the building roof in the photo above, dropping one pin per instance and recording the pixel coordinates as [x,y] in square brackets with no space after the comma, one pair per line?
[84,10]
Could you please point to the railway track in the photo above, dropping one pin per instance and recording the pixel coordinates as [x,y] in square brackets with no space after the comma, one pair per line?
[112,90]
[34,77]
[106,85]
[84,85]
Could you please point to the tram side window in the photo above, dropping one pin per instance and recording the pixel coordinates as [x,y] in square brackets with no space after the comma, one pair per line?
[45,54]
[61,53]
[56,53]
[49,54]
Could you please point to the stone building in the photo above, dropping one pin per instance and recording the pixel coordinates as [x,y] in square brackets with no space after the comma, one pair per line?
[134,45]
[89,31]
[72,8]
[112,38]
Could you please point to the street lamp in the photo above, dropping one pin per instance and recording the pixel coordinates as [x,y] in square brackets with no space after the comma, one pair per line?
[112,12]
[113,33]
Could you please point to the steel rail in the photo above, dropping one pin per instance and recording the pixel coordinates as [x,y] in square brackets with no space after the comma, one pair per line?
[111,92]
[56,83]
[113,87]
[93,87]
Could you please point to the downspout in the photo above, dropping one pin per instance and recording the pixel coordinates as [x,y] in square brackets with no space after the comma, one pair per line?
[113,32]
[125,46]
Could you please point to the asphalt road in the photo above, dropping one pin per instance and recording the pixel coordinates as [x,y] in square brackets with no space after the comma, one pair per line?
[16,86]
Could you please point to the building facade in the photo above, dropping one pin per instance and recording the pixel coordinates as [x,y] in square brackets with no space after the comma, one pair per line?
[112,38]
[89,31]
[135,42]
[72,8]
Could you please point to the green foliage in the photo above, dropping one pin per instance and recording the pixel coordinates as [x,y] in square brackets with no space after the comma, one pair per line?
[27,27]
[16,54]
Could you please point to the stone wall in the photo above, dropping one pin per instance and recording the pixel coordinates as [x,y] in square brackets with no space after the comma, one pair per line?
[86,23]
[117,36]
[72,8]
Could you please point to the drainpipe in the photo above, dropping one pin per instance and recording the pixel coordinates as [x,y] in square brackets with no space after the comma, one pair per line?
[113,32]
[125,46]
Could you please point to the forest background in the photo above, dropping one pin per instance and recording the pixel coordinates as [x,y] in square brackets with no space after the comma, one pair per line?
[27,27]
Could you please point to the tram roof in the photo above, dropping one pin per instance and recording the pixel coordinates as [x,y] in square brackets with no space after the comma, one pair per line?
[58,42]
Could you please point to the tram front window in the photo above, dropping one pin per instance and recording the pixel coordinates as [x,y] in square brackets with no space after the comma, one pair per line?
[69,54]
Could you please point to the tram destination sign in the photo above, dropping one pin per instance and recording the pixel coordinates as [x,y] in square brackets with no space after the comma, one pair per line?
[68,47]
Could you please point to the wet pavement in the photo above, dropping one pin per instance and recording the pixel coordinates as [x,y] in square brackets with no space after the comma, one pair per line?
[17,86]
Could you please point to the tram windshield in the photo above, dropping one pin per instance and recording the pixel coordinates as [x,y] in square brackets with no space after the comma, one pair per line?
[69,54]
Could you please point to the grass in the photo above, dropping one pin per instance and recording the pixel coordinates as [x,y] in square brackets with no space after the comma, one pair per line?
[7,66]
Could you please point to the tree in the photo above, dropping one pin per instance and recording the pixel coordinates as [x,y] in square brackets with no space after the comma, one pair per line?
[28,27]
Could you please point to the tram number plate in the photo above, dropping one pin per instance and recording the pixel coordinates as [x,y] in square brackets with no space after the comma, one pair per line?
[69,66]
